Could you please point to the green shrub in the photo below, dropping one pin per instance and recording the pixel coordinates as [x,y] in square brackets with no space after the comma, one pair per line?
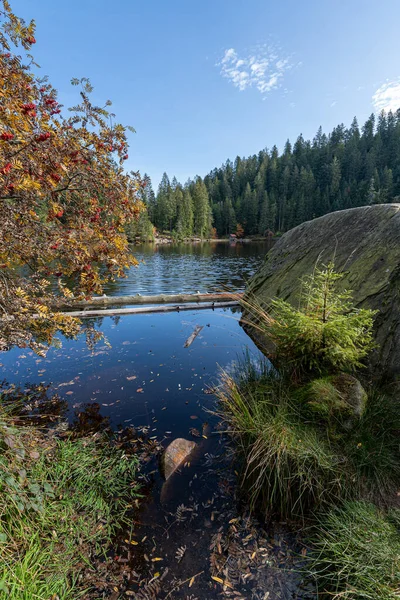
[356,553]
[326,333]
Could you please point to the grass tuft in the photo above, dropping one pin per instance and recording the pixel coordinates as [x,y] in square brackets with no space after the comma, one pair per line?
[356,553]
[289,467]
[297,455]
[61,501]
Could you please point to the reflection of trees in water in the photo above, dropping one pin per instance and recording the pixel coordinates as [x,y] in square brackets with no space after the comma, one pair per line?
[32,403]
[172,268]
[88,419]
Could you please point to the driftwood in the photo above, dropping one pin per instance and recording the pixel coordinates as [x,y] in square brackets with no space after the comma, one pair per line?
[107,312]
[158,299]
[193,336]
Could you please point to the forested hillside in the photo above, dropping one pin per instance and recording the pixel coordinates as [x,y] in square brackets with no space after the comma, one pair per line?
[268,191]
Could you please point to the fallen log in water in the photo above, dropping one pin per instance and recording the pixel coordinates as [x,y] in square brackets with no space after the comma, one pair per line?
[193,336]
[158,299]
[108,312]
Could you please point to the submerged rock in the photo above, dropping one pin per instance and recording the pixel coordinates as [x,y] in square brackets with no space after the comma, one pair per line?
[364,244]
[174,455]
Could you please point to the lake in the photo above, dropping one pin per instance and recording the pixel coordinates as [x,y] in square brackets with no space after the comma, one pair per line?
[144,377]
[203,267]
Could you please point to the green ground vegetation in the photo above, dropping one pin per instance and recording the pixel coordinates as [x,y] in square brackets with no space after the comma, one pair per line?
[356,553]
[61,502]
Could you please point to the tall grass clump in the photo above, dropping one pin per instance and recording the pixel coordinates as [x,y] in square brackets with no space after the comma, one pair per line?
[289,467]
[356,553]
[373,449]
[61,501]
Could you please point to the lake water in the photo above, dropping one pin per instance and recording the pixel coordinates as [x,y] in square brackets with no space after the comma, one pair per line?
[146,378]
[203,267]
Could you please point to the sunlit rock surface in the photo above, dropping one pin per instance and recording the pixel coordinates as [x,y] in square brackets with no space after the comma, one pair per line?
[364,243]
[174,455]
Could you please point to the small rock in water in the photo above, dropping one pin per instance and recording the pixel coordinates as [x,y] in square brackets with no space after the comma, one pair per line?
[174,455]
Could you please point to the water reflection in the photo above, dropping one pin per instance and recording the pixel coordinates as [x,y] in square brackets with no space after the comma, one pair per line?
[146,374]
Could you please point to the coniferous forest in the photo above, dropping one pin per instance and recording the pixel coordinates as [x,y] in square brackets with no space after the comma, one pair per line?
[270,191]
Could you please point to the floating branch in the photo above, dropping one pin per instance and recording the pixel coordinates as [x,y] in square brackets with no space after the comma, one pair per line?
[193,336]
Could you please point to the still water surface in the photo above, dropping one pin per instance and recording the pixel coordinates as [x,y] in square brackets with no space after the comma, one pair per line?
[203,267]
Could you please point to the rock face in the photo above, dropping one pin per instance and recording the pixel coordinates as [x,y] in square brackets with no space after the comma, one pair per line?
[174,455]
[363,243]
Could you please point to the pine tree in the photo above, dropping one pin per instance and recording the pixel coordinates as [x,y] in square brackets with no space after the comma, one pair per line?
[184,221]
[201,209]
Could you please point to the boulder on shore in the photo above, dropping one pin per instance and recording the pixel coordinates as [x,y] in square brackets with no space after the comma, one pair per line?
[364,244]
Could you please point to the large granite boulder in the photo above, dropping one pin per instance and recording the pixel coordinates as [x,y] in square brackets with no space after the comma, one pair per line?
[364,243]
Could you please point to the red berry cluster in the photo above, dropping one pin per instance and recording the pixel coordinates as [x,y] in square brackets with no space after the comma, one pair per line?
[6,135]
[29,109]
[30,40]
[53,104]
[43,136]
[6,169]
[96,217]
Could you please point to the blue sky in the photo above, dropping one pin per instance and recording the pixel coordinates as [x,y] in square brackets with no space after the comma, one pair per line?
[206,80]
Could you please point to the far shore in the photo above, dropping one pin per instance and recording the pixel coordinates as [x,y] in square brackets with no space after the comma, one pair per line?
[194,240]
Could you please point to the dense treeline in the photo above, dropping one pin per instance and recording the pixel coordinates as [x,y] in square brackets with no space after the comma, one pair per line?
[268,191]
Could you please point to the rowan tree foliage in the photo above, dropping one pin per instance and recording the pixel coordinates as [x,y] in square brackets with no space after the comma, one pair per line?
[65,198]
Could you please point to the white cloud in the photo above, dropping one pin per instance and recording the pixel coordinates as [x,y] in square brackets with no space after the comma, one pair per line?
[387,97]
[333,103]
[263,69]
[230,55]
